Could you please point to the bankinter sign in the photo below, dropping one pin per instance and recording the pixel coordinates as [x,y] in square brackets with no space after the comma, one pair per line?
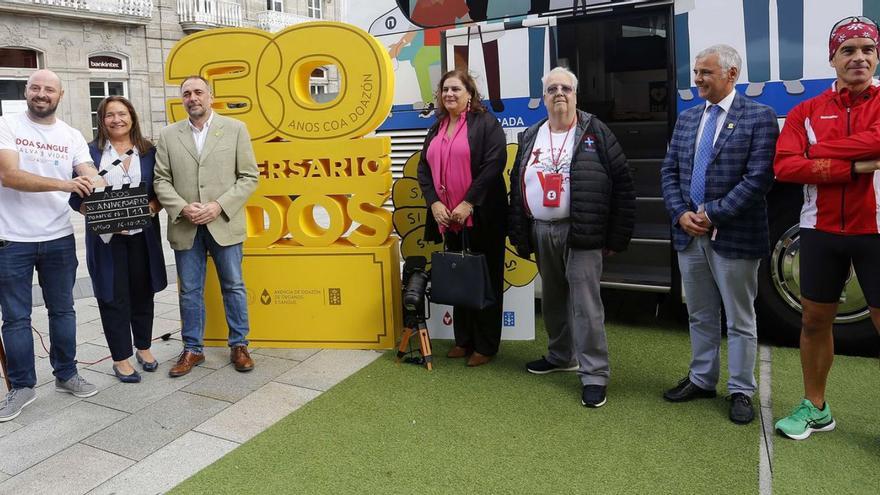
[309,154]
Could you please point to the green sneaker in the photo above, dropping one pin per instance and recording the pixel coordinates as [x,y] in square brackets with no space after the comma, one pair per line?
[804,420]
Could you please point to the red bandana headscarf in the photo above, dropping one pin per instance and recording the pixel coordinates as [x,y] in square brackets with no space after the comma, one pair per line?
[855,28]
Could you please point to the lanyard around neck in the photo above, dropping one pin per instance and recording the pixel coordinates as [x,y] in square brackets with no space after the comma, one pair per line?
[555,159]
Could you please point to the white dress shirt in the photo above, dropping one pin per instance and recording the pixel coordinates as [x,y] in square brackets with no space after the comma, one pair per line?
[725,107]
[199,136]
[117,176]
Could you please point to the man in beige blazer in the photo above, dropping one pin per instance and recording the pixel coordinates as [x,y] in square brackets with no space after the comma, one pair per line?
[205,173]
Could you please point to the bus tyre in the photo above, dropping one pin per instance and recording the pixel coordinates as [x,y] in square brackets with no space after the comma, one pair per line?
[778,302]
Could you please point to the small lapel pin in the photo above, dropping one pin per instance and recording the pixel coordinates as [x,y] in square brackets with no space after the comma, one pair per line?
[217,134]
[730,125]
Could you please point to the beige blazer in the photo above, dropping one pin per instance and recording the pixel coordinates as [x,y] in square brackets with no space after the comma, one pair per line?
[225,172]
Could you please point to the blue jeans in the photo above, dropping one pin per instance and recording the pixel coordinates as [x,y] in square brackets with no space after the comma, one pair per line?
[55,262]
[191,264]
[710,282]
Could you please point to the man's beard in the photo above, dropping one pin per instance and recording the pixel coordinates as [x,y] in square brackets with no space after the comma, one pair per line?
[197,112]
[42,114]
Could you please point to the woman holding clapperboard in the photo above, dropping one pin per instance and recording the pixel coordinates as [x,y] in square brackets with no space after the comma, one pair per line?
[127,268]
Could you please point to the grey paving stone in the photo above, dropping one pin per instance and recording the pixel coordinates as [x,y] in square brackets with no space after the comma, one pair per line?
[215,357]
[87,311]
[87,354]
[38,441]
[3,477]
[231,386]
[77,469]
[292,354]
[168,466]
[132,397]
[166,352]
[9,426]
[154,426]
[167,311]
[44,371]
[90,331]
[39,351]
[327,368]
[256,412]
[50,402]
[162,326]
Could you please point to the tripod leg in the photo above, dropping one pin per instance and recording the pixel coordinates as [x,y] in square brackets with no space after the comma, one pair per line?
[425,346]
[3,365]
[404,342]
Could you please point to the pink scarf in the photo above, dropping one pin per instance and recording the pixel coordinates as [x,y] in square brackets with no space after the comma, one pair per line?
[450,162]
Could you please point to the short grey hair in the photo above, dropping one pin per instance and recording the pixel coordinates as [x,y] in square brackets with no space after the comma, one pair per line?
[728,57]
[560,70]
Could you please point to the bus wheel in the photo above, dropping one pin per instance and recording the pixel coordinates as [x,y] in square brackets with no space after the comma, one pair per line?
[778,303]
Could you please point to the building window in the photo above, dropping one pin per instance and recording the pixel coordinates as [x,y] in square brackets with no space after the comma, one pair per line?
[98,90]
[18,58]
[316,8]
[276,5]
[317,89]
[12,96]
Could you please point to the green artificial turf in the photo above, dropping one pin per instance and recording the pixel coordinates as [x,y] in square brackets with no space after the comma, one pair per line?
[498,429]
[846,460]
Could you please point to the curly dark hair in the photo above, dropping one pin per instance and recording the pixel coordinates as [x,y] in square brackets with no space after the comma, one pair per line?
[469,85]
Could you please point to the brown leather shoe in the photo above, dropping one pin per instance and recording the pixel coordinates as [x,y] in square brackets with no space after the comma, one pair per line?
[458,352]
[241,359]
[185,363]
[478,359]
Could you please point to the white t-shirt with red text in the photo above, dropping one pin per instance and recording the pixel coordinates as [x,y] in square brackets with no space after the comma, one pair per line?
[47,150]
[547,159]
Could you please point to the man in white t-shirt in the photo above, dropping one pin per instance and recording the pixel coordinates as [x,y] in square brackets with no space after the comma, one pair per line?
[42,161]
[572,202]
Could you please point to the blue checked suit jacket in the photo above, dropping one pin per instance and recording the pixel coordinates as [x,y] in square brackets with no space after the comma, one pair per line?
[737,179]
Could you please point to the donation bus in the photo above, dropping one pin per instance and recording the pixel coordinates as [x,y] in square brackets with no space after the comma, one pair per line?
[633,60]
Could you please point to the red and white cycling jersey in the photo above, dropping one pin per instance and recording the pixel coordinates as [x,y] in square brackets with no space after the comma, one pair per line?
[821,139]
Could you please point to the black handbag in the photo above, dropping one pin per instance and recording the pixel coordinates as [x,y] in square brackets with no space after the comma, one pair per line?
[461,278]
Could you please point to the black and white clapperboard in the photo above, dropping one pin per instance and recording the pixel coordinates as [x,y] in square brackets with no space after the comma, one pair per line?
[118,208]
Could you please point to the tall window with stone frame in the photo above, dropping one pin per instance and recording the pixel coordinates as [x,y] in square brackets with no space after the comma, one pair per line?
[316,9]
[276,5]
[98,90]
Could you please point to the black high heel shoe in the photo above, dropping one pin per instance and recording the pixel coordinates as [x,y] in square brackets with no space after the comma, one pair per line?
[149,367]
[134,377]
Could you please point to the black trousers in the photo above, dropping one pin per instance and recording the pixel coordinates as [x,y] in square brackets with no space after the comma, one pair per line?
[130,313]
[480,329]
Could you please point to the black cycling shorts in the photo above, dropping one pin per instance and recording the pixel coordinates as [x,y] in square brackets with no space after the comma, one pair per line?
[825,260]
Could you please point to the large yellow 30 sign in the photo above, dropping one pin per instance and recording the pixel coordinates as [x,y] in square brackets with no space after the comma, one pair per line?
[308,286]
[312,151]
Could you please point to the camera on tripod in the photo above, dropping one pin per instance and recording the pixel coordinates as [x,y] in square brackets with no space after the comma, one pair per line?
[415,294]
[415,287]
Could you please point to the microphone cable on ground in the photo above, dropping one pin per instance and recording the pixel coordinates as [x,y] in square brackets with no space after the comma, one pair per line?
[164,337]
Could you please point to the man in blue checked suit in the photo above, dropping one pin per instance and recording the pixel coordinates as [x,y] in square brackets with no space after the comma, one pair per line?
[715,177]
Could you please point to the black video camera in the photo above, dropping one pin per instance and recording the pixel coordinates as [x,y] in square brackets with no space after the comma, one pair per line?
[415,288]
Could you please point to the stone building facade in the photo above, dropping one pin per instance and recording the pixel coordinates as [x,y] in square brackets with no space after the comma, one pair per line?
[104,47]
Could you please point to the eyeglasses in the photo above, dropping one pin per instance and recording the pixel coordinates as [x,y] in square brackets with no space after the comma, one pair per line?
[559,88]
[848,20]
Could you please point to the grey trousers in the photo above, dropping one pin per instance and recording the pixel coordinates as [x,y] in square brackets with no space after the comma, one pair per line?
[710,282]
[571,303]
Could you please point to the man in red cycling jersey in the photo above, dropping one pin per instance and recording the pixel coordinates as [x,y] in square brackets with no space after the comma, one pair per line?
[831,145]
